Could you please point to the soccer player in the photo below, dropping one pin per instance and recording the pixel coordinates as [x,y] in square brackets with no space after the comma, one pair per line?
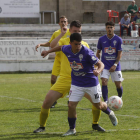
[63,21]
[62,85]
[84,79]
[110,45]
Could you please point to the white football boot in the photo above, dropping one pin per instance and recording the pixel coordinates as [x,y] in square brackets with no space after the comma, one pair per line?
[70,132]
[113,118]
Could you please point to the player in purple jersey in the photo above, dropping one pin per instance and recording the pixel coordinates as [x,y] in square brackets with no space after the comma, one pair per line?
[110,45]
[84,79]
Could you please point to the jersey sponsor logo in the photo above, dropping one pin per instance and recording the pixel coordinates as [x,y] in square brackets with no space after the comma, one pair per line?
[76,66]
[110,57]
[80,57]
[110,50]
[96,96]
[69,56]
[104,42]
[79,73]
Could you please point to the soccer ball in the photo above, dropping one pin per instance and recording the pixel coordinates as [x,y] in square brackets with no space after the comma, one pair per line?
[115,103]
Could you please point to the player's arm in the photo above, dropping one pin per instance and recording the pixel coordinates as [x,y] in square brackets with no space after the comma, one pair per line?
[45,53]
[113,68]
[100,67]
[55,41]
[47,44]
[118,57]
[98,54]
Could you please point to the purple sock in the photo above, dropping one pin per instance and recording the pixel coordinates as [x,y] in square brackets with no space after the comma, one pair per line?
[71,122]
[107,111]
[120,91]
[105,93]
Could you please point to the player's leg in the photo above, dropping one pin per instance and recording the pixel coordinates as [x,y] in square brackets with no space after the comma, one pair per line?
[96,94]
[53,80]
[117,79]
[75,95]
[103,106]
[59,89]
[96,115]
[50,98]
[104,77]
[55,73]
[72,116]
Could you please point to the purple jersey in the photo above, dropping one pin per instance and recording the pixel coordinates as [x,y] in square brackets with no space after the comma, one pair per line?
[110,48]
[82,66]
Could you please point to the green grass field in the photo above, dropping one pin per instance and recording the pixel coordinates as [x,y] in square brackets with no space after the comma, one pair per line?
[21,96]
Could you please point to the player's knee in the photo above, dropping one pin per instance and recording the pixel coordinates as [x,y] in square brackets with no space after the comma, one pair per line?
[71,106]
[99,106]
[118,84]
[46,104]
[104,82]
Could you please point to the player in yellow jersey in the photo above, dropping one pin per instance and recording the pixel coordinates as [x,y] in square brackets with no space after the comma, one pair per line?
[62,85]
[63,21]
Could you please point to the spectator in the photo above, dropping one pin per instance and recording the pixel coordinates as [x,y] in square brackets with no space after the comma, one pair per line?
[132,8]
[136,21]
[125,23]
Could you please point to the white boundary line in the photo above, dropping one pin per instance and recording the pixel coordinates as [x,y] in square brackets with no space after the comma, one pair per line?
[113,130]
[23,99]
[92,131]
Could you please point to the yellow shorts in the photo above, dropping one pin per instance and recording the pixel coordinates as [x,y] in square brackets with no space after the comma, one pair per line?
[62,85]
[56,67]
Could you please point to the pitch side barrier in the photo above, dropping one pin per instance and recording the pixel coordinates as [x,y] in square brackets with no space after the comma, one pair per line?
[20,55]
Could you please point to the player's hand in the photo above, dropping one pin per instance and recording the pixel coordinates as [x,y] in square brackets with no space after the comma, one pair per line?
[37,46]
[44,53]
[112,69]
[96,72]
[64,30]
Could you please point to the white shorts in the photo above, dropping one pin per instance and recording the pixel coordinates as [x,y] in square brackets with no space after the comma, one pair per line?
[115,76]
[76,93]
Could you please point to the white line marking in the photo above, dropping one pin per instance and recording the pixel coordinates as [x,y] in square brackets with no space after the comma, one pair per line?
[113,130]
[92,131]
[19,99]
[23,99]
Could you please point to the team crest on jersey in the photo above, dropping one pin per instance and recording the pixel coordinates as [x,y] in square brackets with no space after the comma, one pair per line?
[80,57]
[110,50]
[76,66]
[114,42]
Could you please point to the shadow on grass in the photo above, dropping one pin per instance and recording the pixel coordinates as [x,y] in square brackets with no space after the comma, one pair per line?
[22,110]
[28,135]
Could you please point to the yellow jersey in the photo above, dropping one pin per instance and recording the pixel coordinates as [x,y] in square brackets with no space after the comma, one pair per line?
[55,34]
[65,69]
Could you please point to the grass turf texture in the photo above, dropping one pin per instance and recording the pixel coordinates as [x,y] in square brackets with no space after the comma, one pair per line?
[21,96]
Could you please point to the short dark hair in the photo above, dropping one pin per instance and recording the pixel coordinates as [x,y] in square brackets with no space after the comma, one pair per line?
[75,36]
[62,17]
[75,23]
[111,23]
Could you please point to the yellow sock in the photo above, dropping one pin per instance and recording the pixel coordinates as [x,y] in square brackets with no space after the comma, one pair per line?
[44,116]
[96,114]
